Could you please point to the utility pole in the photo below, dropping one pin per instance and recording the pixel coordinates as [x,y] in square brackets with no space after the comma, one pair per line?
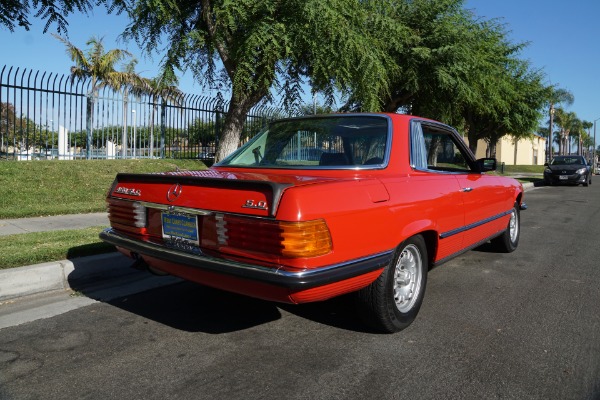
[549,153]
[594,150]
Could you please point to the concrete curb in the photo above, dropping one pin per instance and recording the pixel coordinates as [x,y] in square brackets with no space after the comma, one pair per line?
[54,275]
[528,186]
[102,277]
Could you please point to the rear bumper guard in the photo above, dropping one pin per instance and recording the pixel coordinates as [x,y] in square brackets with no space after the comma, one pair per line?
[306,279]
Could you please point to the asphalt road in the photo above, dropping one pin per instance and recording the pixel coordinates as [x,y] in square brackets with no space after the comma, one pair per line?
[524,325]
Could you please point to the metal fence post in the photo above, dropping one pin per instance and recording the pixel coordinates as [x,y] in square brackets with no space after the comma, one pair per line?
[163,117]
[88,122]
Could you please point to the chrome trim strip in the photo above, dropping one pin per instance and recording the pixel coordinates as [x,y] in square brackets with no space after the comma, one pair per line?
[473,225]
[166,207]
[275,276]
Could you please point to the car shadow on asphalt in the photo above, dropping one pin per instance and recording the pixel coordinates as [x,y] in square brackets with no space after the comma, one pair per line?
[339,312]
[195,308]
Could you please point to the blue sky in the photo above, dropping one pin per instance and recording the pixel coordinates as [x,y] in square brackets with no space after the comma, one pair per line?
[564,41]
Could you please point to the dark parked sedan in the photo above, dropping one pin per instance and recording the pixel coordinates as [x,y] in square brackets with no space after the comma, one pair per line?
[568,169]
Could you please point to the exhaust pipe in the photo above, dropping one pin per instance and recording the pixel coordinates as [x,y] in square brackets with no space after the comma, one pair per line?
[138,263]
[141,265]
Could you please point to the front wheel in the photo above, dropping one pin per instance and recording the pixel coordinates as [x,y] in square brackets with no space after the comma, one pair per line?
[392,302]
[509,240]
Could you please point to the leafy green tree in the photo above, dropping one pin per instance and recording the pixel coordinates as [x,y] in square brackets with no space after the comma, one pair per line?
[15,13]
[459,69]
[314,109]
[8,123]
[509,94]
[431,43]
[253,46]
[17,130]
[202,133]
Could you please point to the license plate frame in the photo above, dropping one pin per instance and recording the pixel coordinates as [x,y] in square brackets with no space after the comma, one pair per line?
[180,228]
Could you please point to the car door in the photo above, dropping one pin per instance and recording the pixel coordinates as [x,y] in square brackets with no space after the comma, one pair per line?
[482,197]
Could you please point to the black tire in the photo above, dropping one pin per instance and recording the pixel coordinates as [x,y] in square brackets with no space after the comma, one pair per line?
[392,302]
[509,240]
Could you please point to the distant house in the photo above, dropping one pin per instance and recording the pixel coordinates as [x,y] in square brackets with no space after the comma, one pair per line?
[527,152]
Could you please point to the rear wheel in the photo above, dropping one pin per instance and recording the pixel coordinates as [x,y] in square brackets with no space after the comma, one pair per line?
[392,302]
[509,240]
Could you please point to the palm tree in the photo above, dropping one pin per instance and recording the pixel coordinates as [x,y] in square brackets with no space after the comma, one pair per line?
[576,131]
[568,123]
[586,125]
[557,96]
[163,88]
[98,66]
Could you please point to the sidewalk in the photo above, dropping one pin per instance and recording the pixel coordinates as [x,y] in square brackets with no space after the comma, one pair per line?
[81,274]
[54,223]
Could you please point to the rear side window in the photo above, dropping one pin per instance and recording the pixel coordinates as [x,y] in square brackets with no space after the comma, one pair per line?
[436,149]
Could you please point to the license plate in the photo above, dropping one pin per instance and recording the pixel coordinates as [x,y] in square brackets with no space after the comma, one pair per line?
[180,228]
[563,177]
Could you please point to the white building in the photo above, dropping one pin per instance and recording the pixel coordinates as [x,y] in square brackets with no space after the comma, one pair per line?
[526,152]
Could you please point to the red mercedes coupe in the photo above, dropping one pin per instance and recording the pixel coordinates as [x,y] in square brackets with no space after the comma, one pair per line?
[316,207]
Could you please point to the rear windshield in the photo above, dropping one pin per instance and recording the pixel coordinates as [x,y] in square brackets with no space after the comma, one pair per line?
[344,141]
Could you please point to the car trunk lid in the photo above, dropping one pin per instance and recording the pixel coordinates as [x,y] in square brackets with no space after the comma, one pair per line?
[241,192]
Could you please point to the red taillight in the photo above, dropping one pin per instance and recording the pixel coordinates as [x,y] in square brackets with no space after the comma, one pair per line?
[277,238]
[130,216]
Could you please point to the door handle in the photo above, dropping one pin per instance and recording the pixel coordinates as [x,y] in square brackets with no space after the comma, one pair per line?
[466,189]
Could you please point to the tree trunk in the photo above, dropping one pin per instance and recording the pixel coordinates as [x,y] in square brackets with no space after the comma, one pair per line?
[124,132]
[229,139]
[472,136]
[560,144]
[493,145]
[89,128]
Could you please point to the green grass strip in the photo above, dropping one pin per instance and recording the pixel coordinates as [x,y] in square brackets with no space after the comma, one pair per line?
[34,248]
[40,188]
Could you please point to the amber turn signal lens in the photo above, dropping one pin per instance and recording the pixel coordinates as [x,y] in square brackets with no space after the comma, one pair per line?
[305,239]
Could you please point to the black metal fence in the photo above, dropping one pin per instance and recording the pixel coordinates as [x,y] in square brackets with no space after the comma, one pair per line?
[49,116]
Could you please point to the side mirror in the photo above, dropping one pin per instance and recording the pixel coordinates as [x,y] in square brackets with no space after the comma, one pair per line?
[486,164]
[545,164]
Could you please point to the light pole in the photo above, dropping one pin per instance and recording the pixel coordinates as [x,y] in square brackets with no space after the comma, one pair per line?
[134,124]
[594,149]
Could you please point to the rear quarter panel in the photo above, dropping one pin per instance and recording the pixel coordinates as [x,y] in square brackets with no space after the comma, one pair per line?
[361,226]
